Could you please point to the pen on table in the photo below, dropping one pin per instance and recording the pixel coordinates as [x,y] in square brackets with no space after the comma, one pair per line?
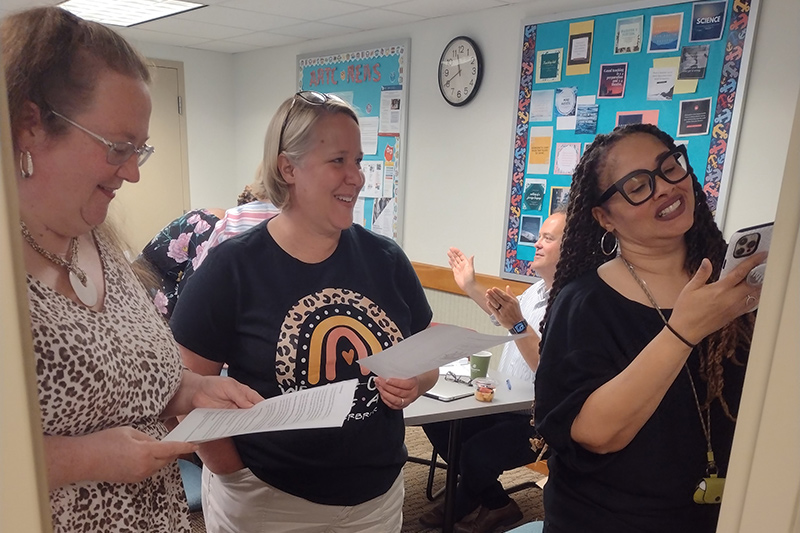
[508,384]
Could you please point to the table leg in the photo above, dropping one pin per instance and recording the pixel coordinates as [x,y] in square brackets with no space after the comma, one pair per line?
[453,458]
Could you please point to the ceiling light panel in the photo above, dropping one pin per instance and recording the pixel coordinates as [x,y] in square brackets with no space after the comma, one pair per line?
[127,12]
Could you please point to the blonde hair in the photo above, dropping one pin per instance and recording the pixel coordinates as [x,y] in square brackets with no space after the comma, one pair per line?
[299,117]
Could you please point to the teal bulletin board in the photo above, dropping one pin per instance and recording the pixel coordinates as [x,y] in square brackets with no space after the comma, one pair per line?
[681,66]
[374,79]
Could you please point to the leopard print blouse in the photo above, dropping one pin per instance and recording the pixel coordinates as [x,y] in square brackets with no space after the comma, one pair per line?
[98,370]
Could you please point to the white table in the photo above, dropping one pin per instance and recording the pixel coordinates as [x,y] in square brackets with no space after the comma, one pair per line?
[428,410]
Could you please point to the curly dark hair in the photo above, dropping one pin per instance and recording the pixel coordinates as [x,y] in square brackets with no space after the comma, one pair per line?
[580,252]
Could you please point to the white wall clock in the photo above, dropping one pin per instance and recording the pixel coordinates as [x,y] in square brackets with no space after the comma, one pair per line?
[460,71]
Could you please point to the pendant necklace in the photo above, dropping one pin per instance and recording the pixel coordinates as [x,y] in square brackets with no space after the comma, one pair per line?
[83,286]
[709,489]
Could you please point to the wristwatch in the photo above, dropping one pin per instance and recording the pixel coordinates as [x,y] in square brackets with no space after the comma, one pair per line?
[519,327]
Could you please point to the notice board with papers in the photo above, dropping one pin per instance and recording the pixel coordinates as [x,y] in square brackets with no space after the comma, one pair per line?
[678,65]
[374,80]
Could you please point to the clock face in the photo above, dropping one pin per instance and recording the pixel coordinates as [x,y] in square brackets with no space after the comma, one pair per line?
[460,71]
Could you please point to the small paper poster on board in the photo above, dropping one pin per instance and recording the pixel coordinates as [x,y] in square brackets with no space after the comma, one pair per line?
[559,197]
[540,145]
[586,119]
[548,65]
[529,230]
[645,116]
[565,104]
[541,106]
[579,53]
[567,157]
[612,80]
[628,36]
[665,33]
[708,21]
[661,83]
[533,194]
[694,60]
[694,117]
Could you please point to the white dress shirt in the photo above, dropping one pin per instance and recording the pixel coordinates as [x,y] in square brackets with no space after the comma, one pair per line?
[533,304]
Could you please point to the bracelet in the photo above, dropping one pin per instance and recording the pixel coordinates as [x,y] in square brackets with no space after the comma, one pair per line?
[682,339]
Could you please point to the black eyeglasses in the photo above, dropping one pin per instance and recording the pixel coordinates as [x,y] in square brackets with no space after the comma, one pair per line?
[639,186]
[450,376]
[118,153]
[309,97]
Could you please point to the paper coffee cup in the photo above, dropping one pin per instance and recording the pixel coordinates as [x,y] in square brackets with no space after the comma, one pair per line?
[479,364]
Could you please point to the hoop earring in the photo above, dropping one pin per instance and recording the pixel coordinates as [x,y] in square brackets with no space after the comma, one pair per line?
[25,164]
[604,248]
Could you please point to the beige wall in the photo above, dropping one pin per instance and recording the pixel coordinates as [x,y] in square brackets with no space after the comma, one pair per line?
[763,488]
[23,497]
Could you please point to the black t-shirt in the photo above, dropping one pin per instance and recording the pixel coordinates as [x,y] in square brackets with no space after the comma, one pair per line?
[282,325]
[593,334]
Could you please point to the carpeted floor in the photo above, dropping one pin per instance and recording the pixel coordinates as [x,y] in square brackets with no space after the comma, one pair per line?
[416,477]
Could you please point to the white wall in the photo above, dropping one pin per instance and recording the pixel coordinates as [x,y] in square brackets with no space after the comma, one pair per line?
[210,122]
[457,159]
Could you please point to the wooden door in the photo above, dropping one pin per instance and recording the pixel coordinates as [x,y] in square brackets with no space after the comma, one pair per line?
[140,210]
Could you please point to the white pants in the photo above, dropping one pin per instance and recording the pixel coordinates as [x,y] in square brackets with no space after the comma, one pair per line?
[242,503]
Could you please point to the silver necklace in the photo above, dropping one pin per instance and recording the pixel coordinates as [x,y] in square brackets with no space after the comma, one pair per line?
[83,286]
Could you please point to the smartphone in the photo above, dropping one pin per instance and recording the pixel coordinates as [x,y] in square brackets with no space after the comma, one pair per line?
[743,244]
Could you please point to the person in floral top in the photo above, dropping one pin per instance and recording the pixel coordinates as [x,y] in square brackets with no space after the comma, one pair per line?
[173,253]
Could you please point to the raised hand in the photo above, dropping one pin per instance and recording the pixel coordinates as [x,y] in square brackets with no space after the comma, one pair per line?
[463,268]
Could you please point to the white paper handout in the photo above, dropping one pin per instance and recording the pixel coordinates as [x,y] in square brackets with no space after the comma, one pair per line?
[318,407]
[429,349]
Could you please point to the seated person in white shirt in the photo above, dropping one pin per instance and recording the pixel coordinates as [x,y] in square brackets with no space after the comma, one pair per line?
[495,443]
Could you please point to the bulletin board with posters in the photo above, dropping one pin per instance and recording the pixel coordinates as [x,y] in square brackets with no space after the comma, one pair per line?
[374,80]
[681,66]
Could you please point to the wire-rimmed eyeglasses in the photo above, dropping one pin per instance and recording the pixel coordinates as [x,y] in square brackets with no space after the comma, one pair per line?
[450,376]
[118,153]
[310,97]
[640,185]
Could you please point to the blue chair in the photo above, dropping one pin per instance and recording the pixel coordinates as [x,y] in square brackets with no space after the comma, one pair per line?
[530,527]
[191,475]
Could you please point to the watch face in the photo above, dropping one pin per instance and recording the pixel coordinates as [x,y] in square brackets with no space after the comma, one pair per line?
[460,71]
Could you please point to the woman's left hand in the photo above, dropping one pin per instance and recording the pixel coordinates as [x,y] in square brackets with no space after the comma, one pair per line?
[220,392]
[398,393]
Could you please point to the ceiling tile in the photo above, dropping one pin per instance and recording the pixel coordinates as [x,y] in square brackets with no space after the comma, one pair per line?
[305,9]
[227,47]
[372,3]
[146,36]
[441,8]
[238,18]
[369,19]
[192,28]
[265,39]
[314,30]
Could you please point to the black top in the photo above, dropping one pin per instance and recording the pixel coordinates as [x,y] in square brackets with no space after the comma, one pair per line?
[592,335]
[283,325]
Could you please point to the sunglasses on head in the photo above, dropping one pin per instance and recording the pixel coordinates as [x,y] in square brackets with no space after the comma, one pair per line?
[309,97]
